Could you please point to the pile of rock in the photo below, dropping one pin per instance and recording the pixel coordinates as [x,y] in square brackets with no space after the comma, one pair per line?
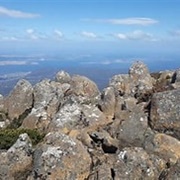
[131,130]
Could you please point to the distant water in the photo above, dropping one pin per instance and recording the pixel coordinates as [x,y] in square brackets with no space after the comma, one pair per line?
[99,70]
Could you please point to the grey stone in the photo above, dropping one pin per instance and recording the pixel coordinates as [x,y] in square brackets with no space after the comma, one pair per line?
[63,77]
[82,86]
[48,96]
[16,163]
[107,102]
[61,156]
[19,100]
[131,130]
[165,112]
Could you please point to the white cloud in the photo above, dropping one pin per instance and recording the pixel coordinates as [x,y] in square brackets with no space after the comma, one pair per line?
[126,21]
[30,31]
[121,36]
[136,35]
[58,34]
[140,35]
[34,35]
[89,35]
[16,14]
[11,38]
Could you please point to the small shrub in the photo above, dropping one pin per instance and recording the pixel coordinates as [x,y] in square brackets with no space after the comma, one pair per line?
[9,136]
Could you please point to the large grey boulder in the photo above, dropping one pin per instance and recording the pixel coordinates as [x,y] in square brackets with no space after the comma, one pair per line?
[131,130]
[140,79]
[69,116]
[136,83]
[164,146]
[19,100]
[120,83]
[107,102]
[61,156]
[165,112]
[136,163]
[129,163]
[82,86]
[73,115]
[16,163]
[48,96]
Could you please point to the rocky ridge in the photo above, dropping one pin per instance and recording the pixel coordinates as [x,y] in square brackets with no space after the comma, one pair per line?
[130,130]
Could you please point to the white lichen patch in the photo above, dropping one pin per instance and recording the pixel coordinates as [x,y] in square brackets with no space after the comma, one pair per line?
[122,154]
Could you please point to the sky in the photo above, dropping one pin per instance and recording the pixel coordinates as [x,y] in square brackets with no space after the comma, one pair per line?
[89,26]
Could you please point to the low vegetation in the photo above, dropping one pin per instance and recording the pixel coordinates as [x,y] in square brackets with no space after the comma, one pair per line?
[9,136]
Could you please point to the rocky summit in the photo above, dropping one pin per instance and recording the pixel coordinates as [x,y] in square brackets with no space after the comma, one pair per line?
[66,129]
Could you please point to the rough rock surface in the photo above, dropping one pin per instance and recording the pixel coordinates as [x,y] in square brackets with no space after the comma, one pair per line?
[137,82]
[165,147]
[108,101]
[82,86]
[165,112]
[140,78]
[172,173]
[63,77]
[131,130]
[128,131]
[16,163]
[61,156]
[19,100]
[47,99]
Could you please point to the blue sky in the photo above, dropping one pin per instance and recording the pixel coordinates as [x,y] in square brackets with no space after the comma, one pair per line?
[130,26]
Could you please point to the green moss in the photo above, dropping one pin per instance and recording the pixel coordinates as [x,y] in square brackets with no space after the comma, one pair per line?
[9,136]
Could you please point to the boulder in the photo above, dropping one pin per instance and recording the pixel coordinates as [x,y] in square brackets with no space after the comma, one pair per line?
[166,76]
[63,77]
[82,86]
[48,96]
[140,79]
[176,76]
[176,79]
[19,100]
[69,116]
[137,83]
[136,163]
[73,115]
[61,156]
[164,80]
[124,105]
[172,173]
[16,163]
[92,116]
[120,83]
[129,163]
[165,112]
[107,102]
[131,130]
[4,121]
[166,147]
[103,140]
